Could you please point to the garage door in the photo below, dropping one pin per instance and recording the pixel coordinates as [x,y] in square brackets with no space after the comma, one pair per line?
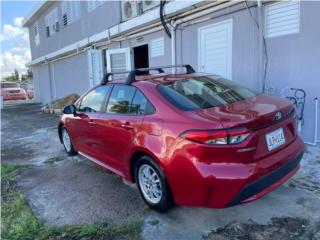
[215,49]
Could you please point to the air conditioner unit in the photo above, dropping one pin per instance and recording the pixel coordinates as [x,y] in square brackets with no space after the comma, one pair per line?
[150,4]
[129,9]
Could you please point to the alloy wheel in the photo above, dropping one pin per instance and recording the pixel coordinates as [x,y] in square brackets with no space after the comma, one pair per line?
[150,184]
[66,140]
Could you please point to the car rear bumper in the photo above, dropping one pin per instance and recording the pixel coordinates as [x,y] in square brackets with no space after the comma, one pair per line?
[268,182]
[220,185]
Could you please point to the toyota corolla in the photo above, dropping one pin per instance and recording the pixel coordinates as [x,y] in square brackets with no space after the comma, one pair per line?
[189,139]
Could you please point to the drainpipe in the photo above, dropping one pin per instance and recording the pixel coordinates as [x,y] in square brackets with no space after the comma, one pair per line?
[315,138]
[173,27]
[261,84]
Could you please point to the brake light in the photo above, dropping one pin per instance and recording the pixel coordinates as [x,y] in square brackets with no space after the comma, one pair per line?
[226,136]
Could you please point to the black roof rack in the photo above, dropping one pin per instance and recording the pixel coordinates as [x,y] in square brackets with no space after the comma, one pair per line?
[143,71]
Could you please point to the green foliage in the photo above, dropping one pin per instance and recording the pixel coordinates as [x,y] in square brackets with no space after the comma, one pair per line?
[18,221]
[14,77]
[29,73]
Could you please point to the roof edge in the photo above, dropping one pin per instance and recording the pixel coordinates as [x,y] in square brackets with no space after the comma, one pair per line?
[33,12]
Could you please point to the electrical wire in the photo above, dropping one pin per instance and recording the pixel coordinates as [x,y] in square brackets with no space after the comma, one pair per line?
[264,46]
[163,22]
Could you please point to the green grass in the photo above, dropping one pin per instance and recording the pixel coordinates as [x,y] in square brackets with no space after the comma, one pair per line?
[18,221]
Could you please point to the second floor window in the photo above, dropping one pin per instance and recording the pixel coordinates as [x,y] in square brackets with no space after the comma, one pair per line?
[93,4]
[35,29]
[52,23]
[70,12]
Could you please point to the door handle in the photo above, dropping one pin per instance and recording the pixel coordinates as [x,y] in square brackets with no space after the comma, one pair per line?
[127,126]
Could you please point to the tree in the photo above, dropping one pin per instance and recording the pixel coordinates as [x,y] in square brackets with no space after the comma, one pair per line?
[16,75]
[29,73]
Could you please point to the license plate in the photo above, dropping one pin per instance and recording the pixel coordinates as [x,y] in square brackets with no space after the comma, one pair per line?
[275,139]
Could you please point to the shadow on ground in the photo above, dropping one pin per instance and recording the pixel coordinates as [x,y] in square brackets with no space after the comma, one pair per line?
[62,189]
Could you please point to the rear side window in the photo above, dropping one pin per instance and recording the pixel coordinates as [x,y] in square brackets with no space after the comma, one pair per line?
[120,99]
[93,101]
[128,100]
[140,105]
[203,92]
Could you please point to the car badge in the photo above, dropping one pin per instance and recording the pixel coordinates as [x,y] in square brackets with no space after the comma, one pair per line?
[278,116]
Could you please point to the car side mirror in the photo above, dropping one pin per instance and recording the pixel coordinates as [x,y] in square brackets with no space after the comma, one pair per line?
[71,109]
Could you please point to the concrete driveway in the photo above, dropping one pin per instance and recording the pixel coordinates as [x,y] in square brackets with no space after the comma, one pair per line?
[70,190]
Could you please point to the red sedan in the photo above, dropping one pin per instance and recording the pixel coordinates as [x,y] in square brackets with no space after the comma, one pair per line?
[188,139]
[12,91]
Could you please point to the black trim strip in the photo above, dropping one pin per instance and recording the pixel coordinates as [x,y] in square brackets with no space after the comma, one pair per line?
[266,181]
[288,115]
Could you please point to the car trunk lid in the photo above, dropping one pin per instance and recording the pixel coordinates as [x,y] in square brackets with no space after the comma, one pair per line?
[261,114]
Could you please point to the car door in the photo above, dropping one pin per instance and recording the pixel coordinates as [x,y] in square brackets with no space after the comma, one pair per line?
[83,126]
[119,126]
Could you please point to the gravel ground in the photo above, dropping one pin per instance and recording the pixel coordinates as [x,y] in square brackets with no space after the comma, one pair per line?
[308,177]
[69,190]
[286,228]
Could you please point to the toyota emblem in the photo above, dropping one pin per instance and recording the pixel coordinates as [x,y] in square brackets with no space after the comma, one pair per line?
[278,116]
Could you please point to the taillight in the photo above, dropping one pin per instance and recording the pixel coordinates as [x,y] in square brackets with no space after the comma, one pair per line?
[226,136]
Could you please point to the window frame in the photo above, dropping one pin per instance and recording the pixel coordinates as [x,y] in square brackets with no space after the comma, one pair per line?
[51,22]
[67,8]
[104,110]
[267,7]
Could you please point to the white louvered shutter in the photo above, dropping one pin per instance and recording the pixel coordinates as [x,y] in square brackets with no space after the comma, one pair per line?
[95,66]
[215,49]
[119,60]
[282,18]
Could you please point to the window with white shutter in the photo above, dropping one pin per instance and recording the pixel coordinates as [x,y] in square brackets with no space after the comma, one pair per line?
[96,68]
[52,22]
[157,47]
[70,12]
[119,60]
[93,4]
[36,35]
[282,18]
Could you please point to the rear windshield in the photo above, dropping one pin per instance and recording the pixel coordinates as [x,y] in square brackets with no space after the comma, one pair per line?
[9,85]
[203,92]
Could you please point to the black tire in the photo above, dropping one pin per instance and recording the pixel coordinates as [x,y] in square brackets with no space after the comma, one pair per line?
[71,150]
[166,202]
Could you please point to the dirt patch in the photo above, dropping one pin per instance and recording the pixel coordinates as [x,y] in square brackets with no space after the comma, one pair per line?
[286,228]
[62,102]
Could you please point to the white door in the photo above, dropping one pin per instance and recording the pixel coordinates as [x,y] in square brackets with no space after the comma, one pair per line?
[215,49]
[95,66]
[119,60]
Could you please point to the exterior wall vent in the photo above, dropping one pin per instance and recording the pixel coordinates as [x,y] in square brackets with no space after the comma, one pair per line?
[65,19]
